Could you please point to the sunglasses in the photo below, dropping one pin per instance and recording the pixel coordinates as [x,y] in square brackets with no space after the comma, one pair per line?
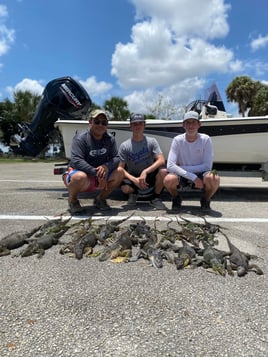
[102,122]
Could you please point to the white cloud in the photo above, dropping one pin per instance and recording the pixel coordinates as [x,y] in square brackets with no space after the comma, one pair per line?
[260,42]
[206,18]
[3,11]
[236,66]
[95,88]
[177,95]
[27,84]
[171,43]
[256,66]
[7,36]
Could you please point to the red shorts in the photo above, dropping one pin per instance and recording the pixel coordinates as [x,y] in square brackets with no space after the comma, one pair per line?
[92,180]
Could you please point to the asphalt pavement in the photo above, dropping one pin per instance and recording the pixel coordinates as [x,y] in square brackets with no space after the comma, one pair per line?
[61,306]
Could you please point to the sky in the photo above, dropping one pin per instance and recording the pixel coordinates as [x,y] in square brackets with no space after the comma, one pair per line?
[138,50]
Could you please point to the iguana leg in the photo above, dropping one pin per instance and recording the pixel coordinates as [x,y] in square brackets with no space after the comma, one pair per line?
[229,270]
[40,252]
[255,268]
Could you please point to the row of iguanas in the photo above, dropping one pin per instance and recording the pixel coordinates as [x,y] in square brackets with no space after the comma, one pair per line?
[188,244]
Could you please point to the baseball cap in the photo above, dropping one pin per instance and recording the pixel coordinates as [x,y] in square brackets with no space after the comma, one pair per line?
[95,113]
[135,118]
[191,115]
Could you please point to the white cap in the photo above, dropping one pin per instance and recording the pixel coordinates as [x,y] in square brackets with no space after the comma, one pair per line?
[191,115]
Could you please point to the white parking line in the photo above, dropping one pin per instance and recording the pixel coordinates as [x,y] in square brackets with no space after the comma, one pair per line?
[31,181]
[135,218]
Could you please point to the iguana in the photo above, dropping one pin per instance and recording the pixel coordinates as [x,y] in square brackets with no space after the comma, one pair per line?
[12,241]
[121,246]
[15,240]
[39,245]
[108,228]
[215,259]
[239,261]
[150,249]
[88,240]
[186,254]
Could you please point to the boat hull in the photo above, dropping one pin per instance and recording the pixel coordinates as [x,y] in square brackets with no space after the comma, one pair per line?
[236,141]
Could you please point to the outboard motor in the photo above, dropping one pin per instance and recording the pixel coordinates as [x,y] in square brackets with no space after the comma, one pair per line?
[62,98]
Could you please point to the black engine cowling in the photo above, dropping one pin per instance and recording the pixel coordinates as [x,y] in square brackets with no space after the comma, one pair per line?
[62,98]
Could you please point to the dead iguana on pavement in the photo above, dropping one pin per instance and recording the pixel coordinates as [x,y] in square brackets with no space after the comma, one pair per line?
[15,240]
[215,259]
[239,261]
[50,237]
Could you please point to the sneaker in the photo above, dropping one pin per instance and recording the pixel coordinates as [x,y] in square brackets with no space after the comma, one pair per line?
[156,203]
[75,207]
[132,199]
[176,203]
[101,204]
[205,204]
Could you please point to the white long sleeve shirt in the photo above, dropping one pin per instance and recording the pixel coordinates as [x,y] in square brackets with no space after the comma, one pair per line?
[186,158]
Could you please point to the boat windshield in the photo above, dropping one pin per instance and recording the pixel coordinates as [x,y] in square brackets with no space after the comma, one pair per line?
[213,98]
[196,106]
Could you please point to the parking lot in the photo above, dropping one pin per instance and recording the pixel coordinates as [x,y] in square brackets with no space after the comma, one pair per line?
[59,306]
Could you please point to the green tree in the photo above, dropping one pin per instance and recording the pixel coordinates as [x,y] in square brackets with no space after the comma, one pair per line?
[117,108]
[6,123]
[25,104]
[22,109]
[242,91]
[260,102]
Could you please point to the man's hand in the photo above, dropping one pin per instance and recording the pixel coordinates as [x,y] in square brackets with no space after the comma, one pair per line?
[102,183]
[214,172]
[102,172]
[139,182]
[198,183]
[142,180]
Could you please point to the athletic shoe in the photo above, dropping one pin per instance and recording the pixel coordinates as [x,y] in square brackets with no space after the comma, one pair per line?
[132,199]
[75,207]
[156,203]
[176,203]
[101,204]
[205,204]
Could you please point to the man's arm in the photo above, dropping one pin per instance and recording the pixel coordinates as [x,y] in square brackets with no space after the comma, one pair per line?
[136,180]
[78,157]
[172,160]
[159,161]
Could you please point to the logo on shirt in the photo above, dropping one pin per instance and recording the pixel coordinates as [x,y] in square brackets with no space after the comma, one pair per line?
[98,152]
[139,156]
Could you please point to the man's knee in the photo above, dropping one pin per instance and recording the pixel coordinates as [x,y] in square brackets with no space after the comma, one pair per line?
[170,181]
[126,189]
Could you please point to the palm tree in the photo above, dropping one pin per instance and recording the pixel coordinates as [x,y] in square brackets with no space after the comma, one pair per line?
[22,109]
[117,108]
[25,104]
[260,102]
[242,91]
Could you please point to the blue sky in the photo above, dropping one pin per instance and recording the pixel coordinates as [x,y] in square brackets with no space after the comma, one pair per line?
[139,50]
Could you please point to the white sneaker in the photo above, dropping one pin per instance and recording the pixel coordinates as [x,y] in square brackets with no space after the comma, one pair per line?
[132,199]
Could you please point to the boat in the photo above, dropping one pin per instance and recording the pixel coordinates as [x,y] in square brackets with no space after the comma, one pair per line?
[240,143]
[236,141]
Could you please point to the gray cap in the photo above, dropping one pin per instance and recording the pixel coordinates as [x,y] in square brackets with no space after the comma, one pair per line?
[135,118]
